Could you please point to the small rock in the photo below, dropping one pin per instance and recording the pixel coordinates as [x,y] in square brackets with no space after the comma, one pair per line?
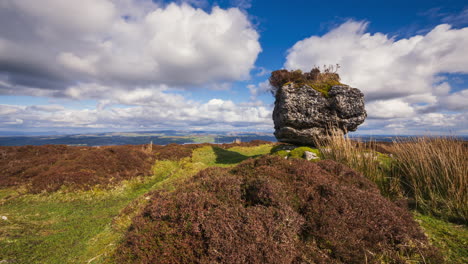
[4,218]
[310,155]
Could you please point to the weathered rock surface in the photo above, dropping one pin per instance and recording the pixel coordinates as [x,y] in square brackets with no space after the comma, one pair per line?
[302,114]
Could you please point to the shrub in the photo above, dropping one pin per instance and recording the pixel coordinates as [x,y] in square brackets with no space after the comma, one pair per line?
[272,210]
[49,167]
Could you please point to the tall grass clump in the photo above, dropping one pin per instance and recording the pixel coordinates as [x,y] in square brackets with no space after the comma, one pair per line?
[434,171]
[363,158]
[431,171]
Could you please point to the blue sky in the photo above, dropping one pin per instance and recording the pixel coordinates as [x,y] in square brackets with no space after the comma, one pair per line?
[124,65]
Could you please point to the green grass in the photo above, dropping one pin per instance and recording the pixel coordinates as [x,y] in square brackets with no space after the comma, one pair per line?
[79,227]
[215,156]
[86,226]
[60,227]
[451,239]
[324,86]
[296,153]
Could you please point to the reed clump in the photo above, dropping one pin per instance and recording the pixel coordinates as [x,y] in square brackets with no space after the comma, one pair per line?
[431,172]
[363,158]
[434,171]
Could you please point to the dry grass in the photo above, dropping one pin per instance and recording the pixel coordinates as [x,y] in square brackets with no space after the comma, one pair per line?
[434,171]
[430,171]
[363,158]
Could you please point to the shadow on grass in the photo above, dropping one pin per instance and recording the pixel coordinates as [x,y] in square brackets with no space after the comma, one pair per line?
[224,156]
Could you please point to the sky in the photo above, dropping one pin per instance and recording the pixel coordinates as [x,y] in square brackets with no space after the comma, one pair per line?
[70,66]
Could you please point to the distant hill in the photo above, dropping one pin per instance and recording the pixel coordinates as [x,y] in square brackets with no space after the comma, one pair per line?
[162,137]
[135,138]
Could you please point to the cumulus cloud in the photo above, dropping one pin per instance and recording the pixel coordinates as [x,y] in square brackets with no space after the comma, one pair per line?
[401,78]
[420,124]
[389,109]
[455,101]
[258,89]
[57,44]
[381,66]
[129,56]
[214,114]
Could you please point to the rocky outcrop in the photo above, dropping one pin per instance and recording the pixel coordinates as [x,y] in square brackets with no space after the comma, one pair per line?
[302,115]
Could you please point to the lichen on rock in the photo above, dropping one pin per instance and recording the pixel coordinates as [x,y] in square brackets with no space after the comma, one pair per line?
[303,115]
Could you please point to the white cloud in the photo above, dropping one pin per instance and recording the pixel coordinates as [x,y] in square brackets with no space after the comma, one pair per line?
[389,109]
[435,119]
[419,124]
[402,79]
[262,71]
[260,88]
[383,67]
[161,110]
[46,108]
[55,44]
[456,101]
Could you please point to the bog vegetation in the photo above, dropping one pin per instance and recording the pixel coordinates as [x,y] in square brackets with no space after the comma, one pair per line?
[320,80]
[162,204]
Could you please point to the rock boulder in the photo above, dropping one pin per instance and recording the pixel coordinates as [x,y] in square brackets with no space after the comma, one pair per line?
[302,115]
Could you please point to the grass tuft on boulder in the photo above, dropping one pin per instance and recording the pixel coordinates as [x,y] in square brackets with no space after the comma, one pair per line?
[319,80]
[272,210]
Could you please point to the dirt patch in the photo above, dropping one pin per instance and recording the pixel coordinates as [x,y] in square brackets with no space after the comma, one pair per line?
[272,210]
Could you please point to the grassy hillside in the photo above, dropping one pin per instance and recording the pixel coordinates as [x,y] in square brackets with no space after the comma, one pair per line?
[66,224]
[68,221]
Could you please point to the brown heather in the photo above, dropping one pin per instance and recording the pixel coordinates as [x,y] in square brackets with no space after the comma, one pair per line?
[48,168]
[51,167]
[272,210]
